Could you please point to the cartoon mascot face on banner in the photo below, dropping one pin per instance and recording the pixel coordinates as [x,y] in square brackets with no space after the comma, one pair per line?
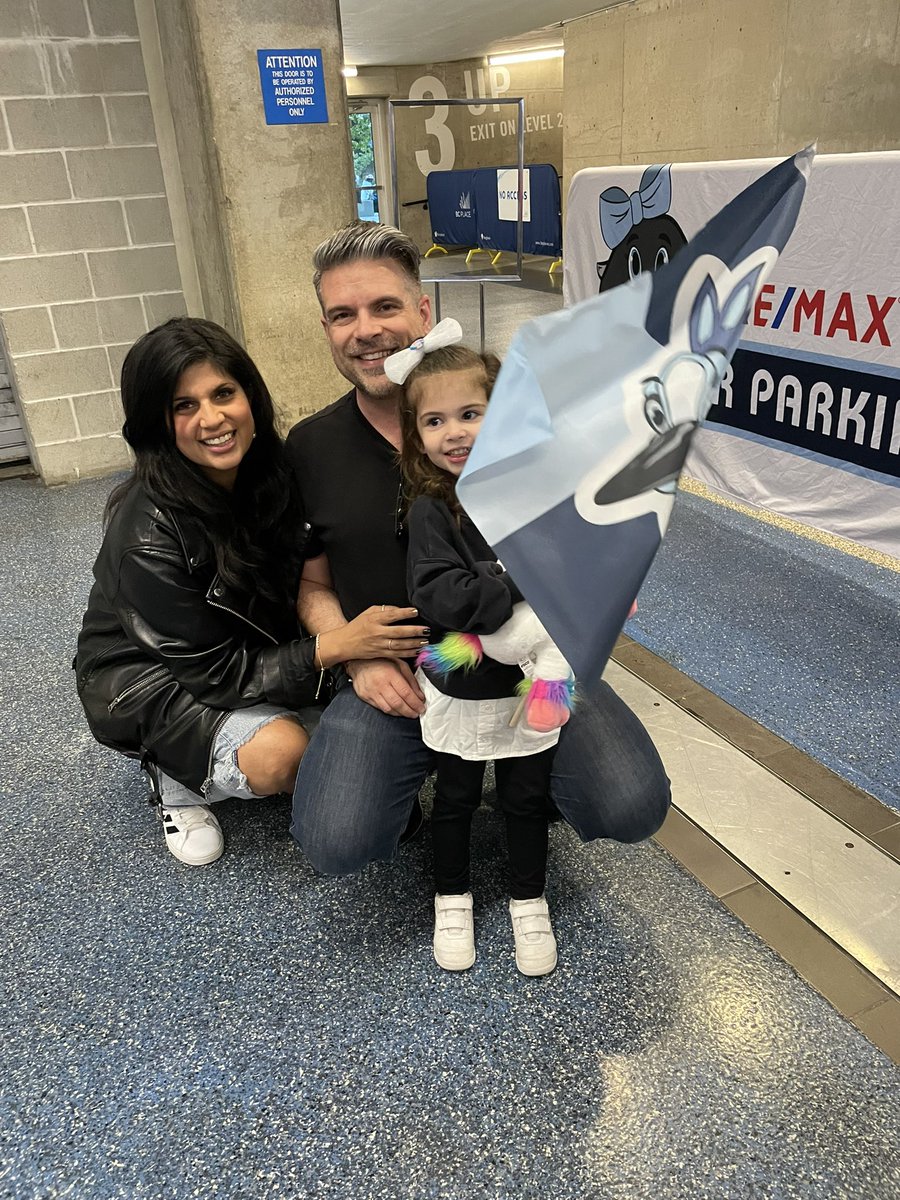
[662,408]
[638,229]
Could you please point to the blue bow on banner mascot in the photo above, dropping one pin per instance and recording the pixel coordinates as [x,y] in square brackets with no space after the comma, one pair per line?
[573,475]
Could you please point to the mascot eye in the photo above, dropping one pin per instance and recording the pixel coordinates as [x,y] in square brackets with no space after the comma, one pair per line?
[634,263]
[656,415]
[662,257]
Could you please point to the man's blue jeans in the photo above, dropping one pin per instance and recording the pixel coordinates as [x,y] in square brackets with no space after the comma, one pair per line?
[361,774]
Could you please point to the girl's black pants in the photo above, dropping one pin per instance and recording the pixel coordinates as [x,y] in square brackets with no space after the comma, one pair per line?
[523,790]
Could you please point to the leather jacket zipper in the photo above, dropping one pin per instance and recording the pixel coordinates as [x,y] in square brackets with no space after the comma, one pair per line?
[242,617]
[210,762]
[137,686]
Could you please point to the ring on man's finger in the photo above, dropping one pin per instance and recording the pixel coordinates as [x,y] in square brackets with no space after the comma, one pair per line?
[382,608]
[391,644]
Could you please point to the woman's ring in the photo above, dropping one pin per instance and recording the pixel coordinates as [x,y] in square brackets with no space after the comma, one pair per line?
[382,608]
[391,644]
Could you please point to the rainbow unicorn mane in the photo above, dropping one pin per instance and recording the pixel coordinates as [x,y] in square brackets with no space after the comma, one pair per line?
[454,652]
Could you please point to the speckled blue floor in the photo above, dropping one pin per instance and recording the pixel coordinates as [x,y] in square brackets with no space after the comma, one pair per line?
[802,638]
[250,1030]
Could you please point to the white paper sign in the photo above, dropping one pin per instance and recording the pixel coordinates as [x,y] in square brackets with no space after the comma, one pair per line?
[508,195]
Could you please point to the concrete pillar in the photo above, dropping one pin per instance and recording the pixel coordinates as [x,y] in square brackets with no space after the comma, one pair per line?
[257,198]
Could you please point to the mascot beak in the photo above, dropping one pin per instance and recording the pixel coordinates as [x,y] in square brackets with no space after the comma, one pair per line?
[657,467]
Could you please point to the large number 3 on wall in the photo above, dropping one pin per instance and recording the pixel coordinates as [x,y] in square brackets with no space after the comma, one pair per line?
[426,87]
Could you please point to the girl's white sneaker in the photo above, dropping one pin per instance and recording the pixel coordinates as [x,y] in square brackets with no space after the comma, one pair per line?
[454,932]
[535,943]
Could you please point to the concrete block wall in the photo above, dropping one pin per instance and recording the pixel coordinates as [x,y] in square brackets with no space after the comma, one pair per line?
[87,261]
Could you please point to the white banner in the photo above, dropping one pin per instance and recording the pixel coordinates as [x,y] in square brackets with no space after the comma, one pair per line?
[808,420]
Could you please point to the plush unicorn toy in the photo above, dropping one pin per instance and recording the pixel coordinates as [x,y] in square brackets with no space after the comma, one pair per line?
[548,696]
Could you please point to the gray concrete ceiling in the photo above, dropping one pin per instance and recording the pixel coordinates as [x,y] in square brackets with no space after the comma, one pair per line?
[397,32]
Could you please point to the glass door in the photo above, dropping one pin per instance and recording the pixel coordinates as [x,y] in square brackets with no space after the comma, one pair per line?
[371,170]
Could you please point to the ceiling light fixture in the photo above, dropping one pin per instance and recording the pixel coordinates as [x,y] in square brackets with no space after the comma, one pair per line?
[349,72]
[503,60]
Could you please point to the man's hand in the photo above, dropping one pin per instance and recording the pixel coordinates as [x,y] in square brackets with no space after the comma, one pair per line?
[388,685]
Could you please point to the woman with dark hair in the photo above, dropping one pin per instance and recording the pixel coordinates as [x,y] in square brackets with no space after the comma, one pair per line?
[190,657]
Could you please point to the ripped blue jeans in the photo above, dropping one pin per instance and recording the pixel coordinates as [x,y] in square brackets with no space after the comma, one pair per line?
[227,780]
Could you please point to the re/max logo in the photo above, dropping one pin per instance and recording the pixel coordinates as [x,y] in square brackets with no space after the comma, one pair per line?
[817,314]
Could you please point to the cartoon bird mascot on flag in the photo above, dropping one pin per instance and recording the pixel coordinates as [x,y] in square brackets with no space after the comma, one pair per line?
[573,476]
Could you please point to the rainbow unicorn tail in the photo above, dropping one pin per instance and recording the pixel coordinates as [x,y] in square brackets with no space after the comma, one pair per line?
[454,652]
[548,702]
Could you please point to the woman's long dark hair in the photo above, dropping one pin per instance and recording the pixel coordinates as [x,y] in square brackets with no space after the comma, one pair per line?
[252,528]
[421,476]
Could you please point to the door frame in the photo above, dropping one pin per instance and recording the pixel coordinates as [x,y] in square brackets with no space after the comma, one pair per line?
[383,185]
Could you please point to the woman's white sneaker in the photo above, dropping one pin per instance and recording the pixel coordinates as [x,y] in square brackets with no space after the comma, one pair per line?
[193,834]
[535,943]
[454,932]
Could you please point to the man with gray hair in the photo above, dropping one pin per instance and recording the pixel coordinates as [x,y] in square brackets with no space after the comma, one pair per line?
[358,783]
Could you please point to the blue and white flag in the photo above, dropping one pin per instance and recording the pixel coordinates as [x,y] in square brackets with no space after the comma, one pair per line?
[573,476]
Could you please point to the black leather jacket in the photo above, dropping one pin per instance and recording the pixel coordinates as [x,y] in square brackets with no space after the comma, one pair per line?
[166,651]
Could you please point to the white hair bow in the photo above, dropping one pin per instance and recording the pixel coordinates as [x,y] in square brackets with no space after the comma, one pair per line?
[446,333]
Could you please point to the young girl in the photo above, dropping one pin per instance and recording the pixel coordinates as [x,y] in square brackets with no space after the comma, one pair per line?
[457,584]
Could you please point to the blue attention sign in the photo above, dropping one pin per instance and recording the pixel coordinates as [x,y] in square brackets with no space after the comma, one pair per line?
[293,87]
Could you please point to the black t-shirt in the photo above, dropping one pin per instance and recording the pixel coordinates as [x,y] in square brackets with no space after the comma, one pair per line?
[349,480]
